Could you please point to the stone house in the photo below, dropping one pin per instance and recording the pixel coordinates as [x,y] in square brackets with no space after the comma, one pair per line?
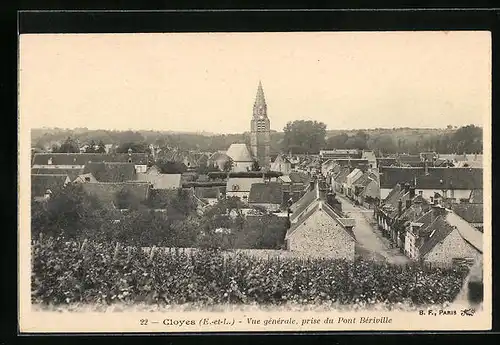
[318,230]
[443,238]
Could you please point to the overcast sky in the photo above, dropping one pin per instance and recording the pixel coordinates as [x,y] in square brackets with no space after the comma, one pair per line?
[208,82]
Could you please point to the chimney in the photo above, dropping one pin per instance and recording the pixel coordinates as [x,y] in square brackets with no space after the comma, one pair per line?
[412,192]
[420,193]
[407,187]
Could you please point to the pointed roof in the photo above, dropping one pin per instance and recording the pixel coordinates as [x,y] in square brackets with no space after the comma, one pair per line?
[260,101]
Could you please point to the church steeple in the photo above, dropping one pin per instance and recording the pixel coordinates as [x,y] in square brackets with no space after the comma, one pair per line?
[260,130]
[260,106]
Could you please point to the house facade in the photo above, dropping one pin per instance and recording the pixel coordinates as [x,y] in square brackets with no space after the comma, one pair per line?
[240,186]
[281,164]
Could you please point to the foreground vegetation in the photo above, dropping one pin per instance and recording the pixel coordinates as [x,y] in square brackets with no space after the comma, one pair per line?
[91,273]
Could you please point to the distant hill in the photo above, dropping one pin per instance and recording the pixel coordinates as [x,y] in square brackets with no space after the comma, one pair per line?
[205,141]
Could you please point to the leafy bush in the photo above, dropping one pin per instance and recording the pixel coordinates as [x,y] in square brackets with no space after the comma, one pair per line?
[103,273]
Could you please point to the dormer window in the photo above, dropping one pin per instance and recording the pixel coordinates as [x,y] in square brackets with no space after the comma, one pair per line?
[87,179]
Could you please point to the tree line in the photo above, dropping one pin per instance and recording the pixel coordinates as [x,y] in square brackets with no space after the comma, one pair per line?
[310,137]
[298,137]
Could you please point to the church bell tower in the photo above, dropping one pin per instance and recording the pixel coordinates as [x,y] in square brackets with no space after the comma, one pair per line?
[260,133]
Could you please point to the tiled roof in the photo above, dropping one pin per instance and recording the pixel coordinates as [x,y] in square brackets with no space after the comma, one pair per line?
[111,172]
[72,173]
[218,159]
[342,176]
[298,207]
[207,192]
[85,178]
[472,235]
[303,218]
[409,158]
[438,230]
[299,177]
[167,181]
[415,211]
[161,181]
[281,159]
[239,153]
[365,179]
[40,183]
[107,192]
[472,213]
[319,204]
[438,178]
[285,179]
[84,158]
[266,193]
[386,161]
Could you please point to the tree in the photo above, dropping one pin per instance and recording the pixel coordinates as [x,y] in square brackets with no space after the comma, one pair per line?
[337,141]
[468,139]
[255,166]
[170,167]
[304,136]
[228,165]
[136,147]
[68,146]
[101,148]
[69,211]
[125,199]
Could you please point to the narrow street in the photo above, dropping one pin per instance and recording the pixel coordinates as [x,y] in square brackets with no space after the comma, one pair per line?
[371,243]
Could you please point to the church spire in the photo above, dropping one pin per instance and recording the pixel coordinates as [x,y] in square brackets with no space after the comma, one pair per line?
[260,106]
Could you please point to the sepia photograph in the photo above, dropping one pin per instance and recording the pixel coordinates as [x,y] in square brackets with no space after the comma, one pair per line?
[255,181]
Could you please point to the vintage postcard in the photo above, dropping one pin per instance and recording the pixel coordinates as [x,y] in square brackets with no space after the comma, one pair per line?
[223,182]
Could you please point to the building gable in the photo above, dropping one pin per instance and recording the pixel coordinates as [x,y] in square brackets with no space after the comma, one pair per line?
[451,247]
[320,235]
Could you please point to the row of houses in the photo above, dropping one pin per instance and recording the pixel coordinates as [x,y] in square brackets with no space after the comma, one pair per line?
[437,231]
[103,174]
